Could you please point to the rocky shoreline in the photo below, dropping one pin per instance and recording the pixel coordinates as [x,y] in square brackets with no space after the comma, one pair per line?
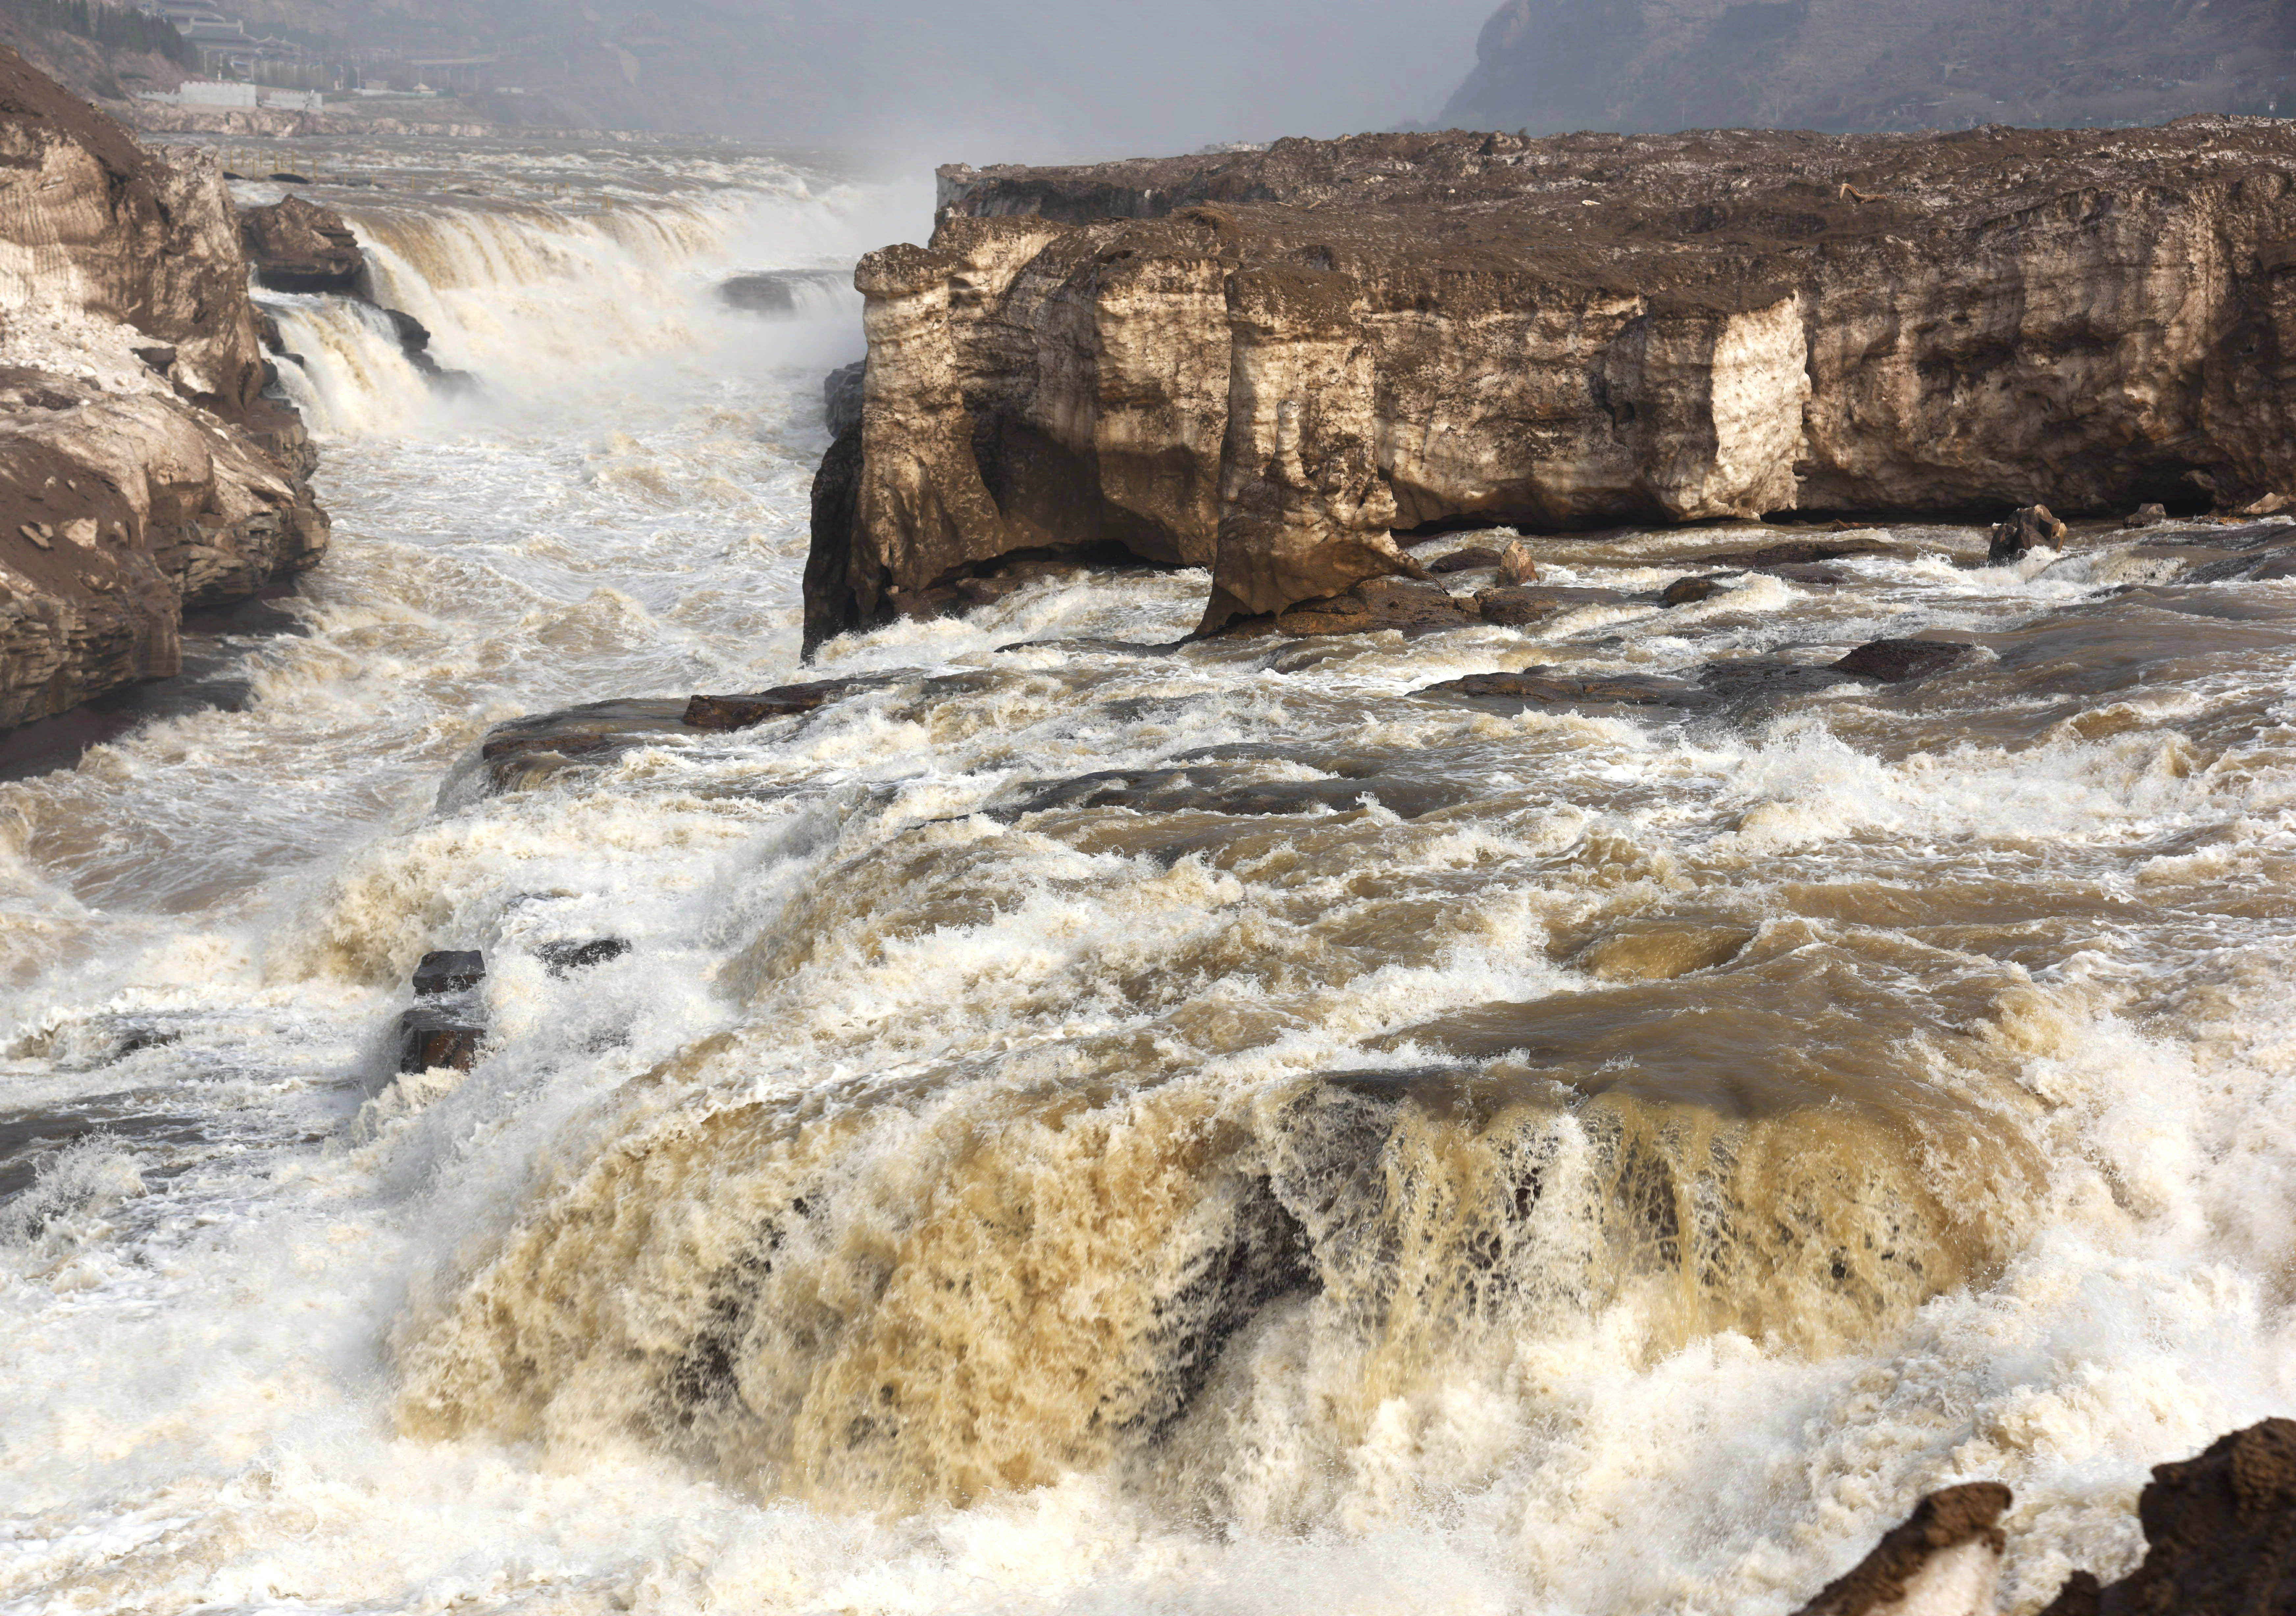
[145,469]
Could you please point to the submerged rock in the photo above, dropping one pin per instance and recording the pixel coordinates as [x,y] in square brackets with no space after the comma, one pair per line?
[2145,516]
[562,959]
[1265,364]
[1688,591]
[444,1028]
[1944,1561]
[782,701]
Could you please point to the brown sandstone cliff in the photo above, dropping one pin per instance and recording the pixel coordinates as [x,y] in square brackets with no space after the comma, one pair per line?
[1266,364]
[142,468]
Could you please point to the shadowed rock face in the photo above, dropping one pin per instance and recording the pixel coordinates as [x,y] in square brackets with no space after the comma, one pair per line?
[142,468]
[1266,364]
[1944,1561]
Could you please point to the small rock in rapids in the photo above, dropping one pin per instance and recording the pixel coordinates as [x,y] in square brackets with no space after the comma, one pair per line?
[449,971]
[782,701]
[433,1036]
[1902,661]
[560,958]
[1517,567]
[2145,516]
[1472,559]
[1685,592]
[1944,1561]
[2032,528]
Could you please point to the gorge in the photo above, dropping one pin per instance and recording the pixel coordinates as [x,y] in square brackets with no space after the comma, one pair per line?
[1659,1005]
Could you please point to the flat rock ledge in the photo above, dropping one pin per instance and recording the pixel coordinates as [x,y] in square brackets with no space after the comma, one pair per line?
[1274,365]
[143,469]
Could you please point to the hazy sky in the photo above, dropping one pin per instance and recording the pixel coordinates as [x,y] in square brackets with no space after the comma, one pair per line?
[999,79]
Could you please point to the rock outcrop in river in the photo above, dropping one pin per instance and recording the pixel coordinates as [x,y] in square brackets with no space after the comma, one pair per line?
[143,469]
[1268,363]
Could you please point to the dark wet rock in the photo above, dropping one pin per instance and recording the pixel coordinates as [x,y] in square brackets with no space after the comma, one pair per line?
[414,335]
[1809,575]
[1944,1561]
[782,701]
[1755,687]
[433,1036]
[1687,591]
[297,245]
[2218,1532]
[526,752]
[1470,559]
[1794,553]
[2145,516]
[1092,644]
[448,971]
[1900,661]
[1518,608]
[1240,790]
[288,177]
[160,358]
[1547,687]
[842,391]
[2032,528]
[1371,606]
[562,959]
[2267,555]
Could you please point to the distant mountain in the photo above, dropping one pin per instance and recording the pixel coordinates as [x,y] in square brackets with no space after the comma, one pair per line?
[1649,65]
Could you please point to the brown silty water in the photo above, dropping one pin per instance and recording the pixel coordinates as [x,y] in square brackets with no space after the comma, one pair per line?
[1141,1044]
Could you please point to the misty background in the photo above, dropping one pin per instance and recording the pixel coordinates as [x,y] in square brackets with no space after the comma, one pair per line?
[1046,80]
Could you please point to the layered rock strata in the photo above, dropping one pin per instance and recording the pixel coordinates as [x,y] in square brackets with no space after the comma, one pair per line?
[143,469]
[1268,363]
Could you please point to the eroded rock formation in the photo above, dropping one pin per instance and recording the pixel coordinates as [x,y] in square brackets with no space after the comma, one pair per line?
[1266,363]
[297,245]
[142,468]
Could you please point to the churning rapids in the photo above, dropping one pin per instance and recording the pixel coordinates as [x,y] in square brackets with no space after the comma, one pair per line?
[1093,1127]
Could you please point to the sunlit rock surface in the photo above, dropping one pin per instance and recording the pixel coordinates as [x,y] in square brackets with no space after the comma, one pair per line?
[142,468]
[1266,363]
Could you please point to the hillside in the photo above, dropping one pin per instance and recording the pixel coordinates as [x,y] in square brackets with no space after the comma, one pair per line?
[1649,65]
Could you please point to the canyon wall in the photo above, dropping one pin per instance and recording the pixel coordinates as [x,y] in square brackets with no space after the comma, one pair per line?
[1268,363]
[143,469]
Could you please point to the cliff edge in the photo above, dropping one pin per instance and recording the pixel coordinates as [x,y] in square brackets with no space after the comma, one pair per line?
[1268,363]
[143,470]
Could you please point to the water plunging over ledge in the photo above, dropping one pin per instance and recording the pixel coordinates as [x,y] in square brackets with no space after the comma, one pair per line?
[1088,1126]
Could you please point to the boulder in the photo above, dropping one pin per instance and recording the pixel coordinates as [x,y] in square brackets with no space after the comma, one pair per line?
[2032,528]
[564,958]
[1688,591]
[782,701]
[1265,364]
[1517,566]
[1474,558]
[430,1036]
[2145,516]
[2217,1531]
[1902,661]
[448,971]
[1944,1561]
[297,245]
[1369,606]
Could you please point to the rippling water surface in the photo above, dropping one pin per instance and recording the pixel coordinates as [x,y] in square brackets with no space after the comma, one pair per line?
[1098,1126]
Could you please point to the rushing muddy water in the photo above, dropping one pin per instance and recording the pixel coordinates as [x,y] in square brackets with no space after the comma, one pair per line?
[1084,1123]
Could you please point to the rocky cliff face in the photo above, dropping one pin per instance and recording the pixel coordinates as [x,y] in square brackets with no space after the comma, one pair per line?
[142,468]
[1268,363]
[1873,64]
